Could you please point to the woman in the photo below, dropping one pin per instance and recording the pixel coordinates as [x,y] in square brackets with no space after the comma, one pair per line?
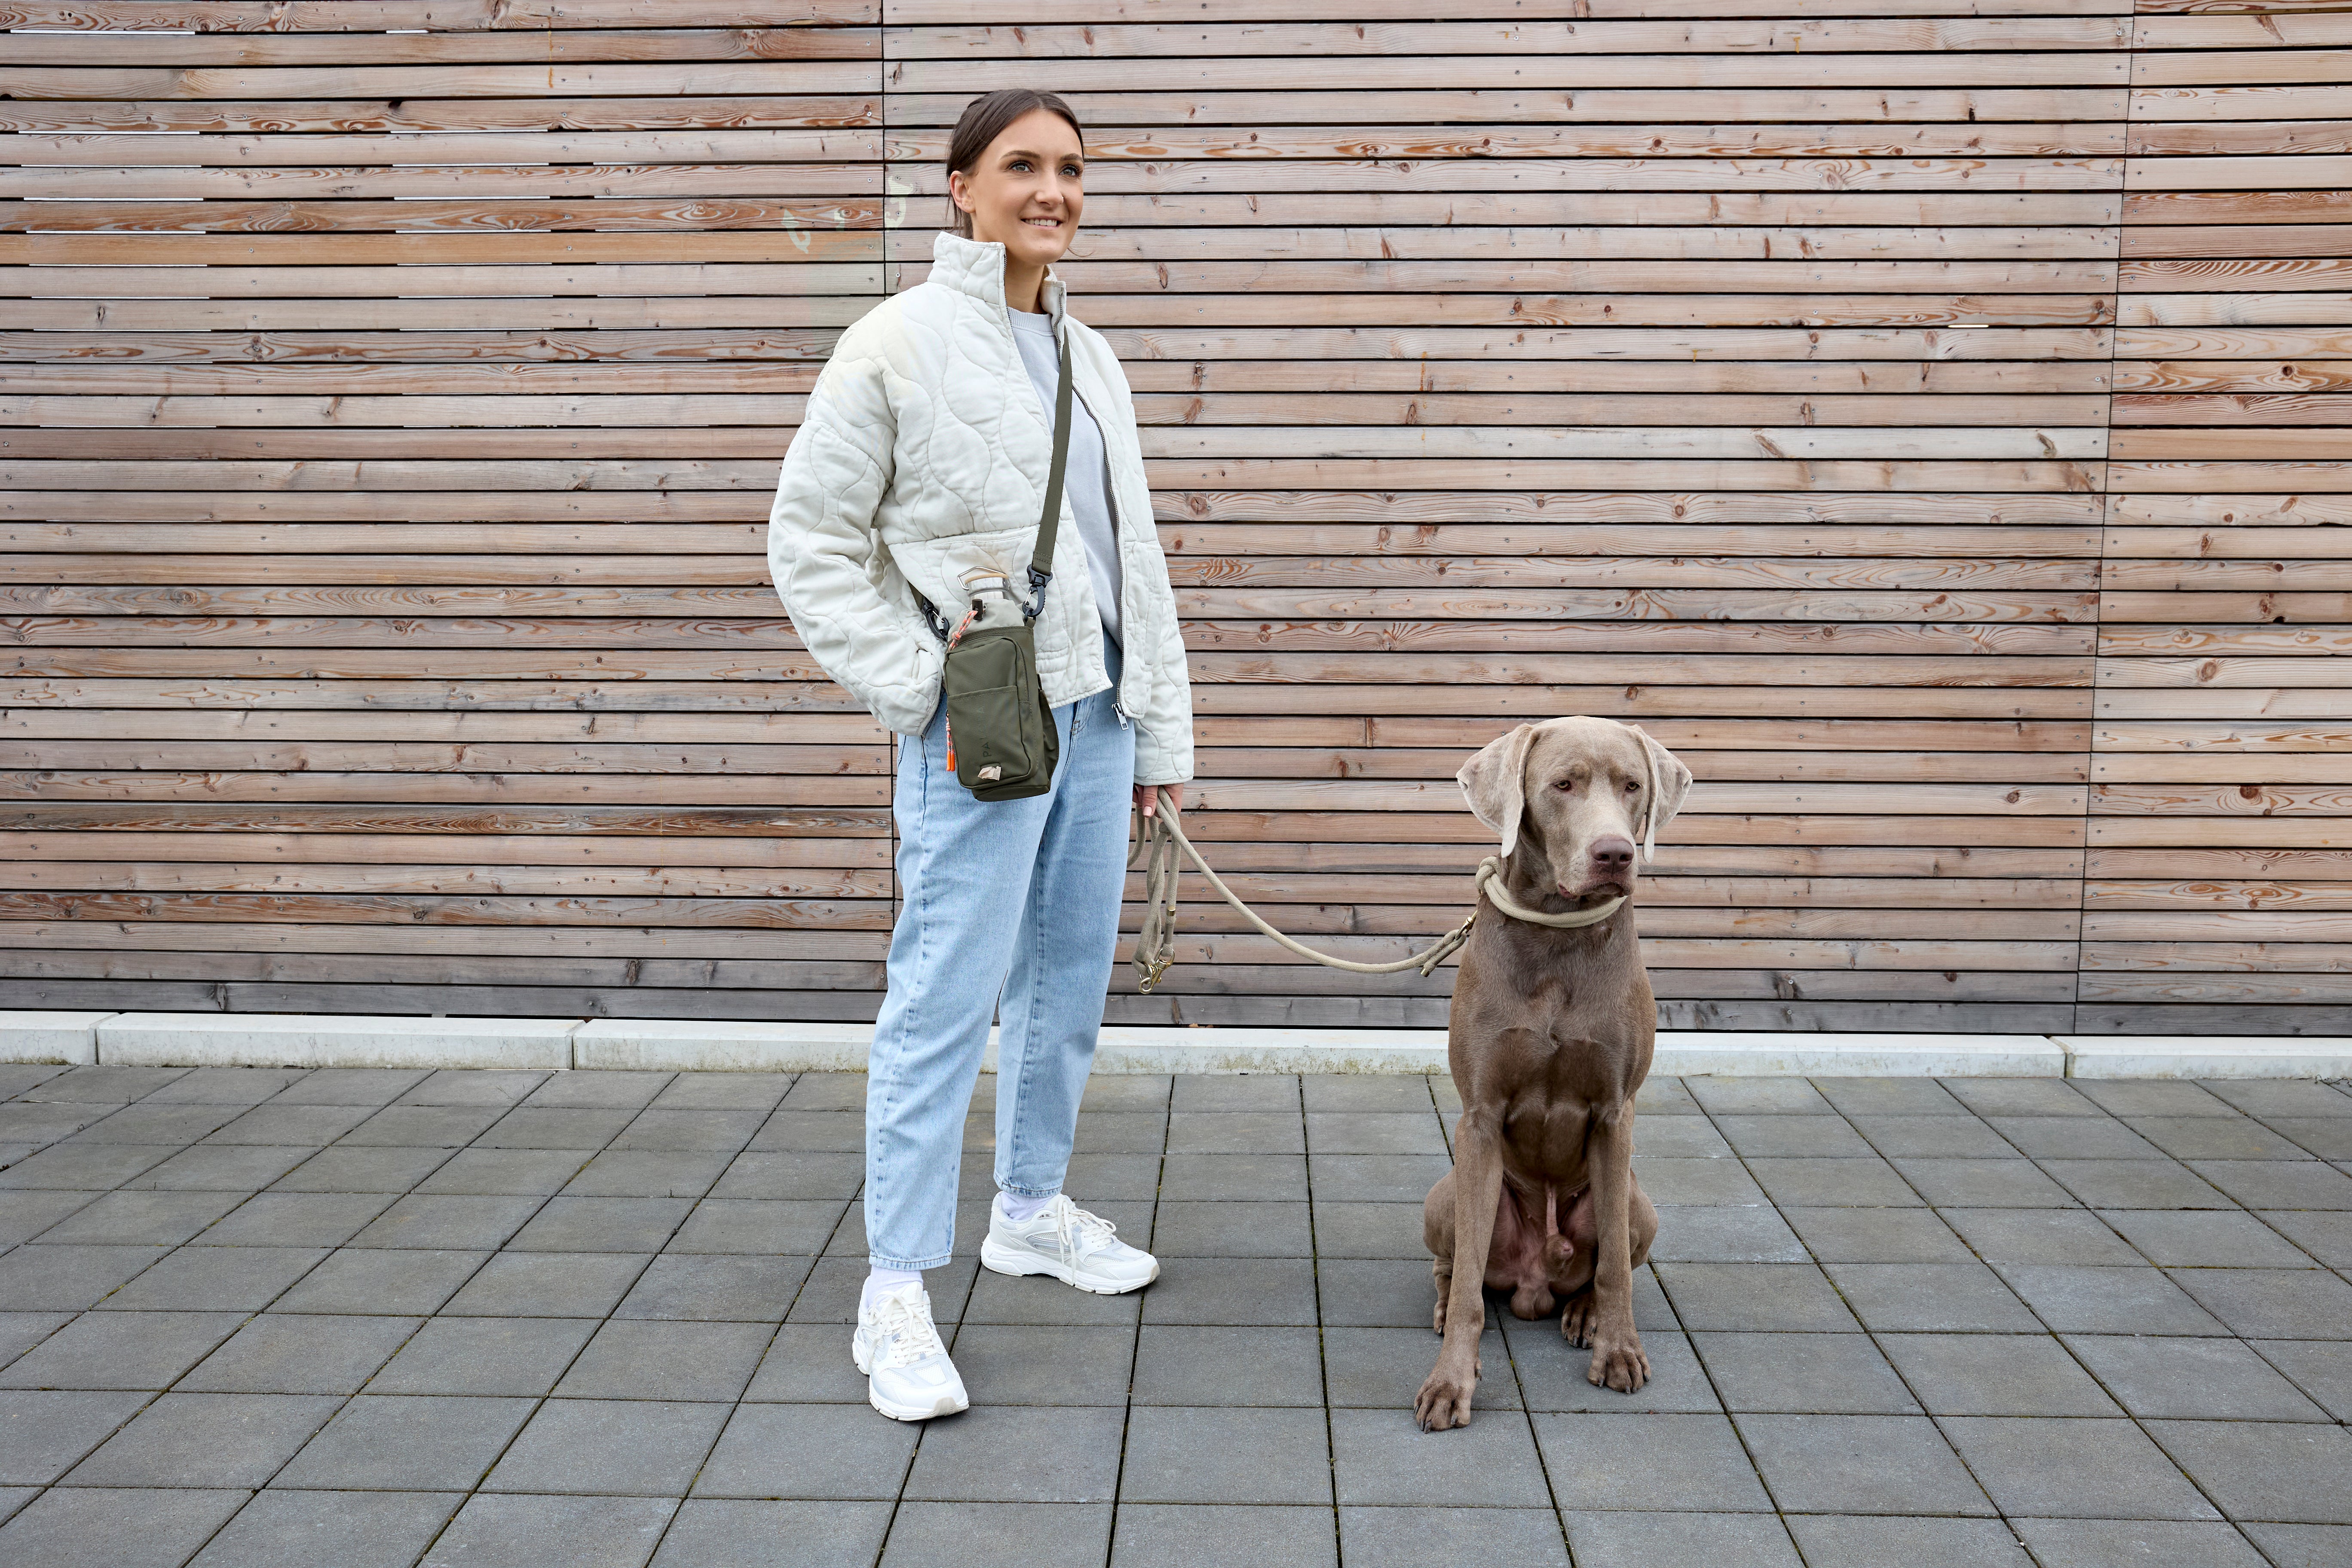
[924,455]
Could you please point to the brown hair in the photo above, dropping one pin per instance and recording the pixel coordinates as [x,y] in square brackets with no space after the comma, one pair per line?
[984,119]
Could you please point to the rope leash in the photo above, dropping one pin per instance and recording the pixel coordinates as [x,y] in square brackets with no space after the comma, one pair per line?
[1158,837]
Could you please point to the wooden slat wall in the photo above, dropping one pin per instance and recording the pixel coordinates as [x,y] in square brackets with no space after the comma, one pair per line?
[1926,415]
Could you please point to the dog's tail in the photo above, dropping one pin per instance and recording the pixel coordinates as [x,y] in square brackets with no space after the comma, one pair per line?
[1558,1248]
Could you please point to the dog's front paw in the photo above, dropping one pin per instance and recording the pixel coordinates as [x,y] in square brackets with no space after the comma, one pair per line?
[1444,1400]
[1618,1362]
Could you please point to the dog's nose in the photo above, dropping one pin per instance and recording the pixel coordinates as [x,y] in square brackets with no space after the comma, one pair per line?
[1613,858]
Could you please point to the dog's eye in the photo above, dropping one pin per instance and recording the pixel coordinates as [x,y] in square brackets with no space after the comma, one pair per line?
[1633,786]
[1565,787]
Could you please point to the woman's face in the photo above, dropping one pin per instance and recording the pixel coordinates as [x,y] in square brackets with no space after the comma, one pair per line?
[1024,193]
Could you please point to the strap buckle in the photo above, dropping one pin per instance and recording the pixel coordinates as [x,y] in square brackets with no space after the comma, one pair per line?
[1153,969]
[1038,578]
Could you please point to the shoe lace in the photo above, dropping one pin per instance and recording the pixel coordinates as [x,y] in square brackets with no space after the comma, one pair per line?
[1075,1231]
[905,1327]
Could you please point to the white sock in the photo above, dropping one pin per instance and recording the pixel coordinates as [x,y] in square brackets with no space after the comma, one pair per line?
[878,1279]
[1020,1207]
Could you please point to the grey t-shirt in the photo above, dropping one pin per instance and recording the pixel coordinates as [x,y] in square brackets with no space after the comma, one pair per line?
[1086,481]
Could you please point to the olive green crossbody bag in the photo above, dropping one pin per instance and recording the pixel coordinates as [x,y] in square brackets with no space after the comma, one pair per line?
[1000,740]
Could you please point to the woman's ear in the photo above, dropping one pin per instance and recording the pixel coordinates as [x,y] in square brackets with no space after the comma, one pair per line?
[1494,781]
[1673,781]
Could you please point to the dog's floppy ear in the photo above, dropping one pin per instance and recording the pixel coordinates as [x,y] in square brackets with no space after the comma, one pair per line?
[1670,783]
[1494,781]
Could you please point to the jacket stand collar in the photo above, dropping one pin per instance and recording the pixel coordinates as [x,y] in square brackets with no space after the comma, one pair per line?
[976,267]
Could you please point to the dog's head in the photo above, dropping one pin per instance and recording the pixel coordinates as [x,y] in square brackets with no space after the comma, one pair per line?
[1576,795]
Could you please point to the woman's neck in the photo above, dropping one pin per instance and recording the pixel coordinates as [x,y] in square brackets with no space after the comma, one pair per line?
[1024,286]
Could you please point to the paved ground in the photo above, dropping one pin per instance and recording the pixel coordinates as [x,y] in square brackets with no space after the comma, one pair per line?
[481,1319]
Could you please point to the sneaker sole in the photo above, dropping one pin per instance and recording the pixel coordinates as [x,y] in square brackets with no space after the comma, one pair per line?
[1005,1260]
[948,1405]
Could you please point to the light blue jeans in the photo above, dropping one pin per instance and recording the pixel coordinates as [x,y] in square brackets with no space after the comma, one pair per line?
[1010,906]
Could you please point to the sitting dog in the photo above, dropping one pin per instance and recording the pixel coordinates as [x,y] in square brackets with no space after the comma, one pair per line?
[1550,1035]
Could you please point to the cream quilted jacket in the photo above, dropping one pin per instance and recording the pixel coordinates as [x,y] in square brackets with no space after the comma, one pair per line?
[924,453]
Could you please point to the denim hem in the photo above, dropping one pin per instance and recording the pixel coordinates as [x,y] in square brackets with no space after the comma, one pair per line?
[941,1261]
[1030,1191]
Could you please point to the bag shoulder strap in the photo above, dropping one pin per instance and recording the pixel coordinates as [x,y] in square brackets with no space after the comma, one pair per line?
[1041,560]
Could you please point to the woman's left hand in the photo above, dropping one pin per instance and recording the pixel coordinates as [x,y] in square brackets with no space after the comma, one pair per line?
[1147,797]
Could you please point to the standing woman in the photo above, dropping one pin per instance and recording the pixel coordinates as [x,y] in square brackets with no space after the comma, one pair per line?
[925,455]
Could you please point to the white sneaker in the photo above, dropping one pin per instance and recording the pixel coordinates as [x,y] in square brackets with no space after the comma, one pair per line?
[909,1376]
[1067,1242]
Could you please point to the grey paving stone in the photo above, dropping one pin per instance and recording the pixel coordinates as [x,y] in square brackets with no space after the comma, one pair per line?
[679,1131]
[1845,1541]
[411,1283]
[422,1126]
[1996,1375]
[1222,1230]
[810,1131]
[1680,1539]
[979,1534]
[205,1440]
[1402,1093]
[1656,1097]
[1984,1183]
[738,1289]
[87,1167]
[1757,1297]
[1860,1464]
[212,1279]
[2137,1301]
[635,1447]
[803,1225]
[493,1531]
[1382,1369]
[73,1526]
[1867,1184]
[1889,1097]
[1374,1178]
[349,1168]
[1381,1456]
[2215,1138]
[1413,1537]
[1180,1365]
[513,1356]
[1020,1454]
[1369,1230]
[24,1215]
[2205,1238]
[1877,1235]
[1833,1373]
[725,1533]
[548,1285]
[2282,1471]
[2073,1137]
[1375,1133]
[159,1218]
[631,1359]
[2329,1137]
[808,1363]
[1930,1298]
[2272,1304]
[1757,1095]
[456,1086]
[793,1175]
[723,1091]
[21,1077]
[1278,1292]
[602,1225]
[2273,1097]
[2303,1545]
[653,1173]
[2173,1376]
[526,1127]
[432,1220]
[282,1352]
[1792,1136]
[42,1435]
[348,1530]
[223,1167]
[104,1085]
[1678,1137]
[1240,1178]
[2152,1097]
[45,1124]
[2279,1183]
[1728,1235]
[2042,1236]
[2132,1543]
[352,1086]
[298,1219]
[20,1331]
[1178,1535]
[422,1443]
[161,1124]
[1646,1462]
[1011,1363]
[1237,1133]
[2074,1469]
[1226,1454]
[42,1278]
[1273,1093]
[1554,1375]
[502,1172]
[120,1350]
[1671,1180]
[2137,1184]
[605,1088]
[847,1090]
[292,1124]
[1962,1137]
[809,1451]
[2321,1368]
